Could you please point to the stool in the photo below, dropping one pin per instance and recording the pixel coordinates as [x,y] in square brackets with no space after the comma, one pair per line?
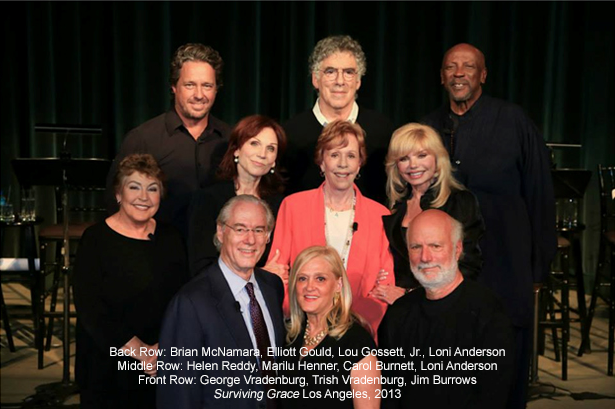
[33,278]
[559,280]
[55,234]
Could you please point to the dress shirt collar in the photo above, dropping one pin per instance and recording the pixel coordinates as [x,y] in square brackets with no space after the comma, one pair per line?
[352,118]
[236,283]
[174,122]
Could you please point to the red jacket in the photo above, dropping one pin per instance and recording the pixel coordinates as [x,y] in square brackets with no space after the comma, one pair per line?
[301,223]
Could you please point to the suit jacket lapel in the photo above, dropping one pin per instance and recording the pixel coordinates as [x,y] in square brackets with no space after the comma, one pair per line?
[227,308]
[273,306]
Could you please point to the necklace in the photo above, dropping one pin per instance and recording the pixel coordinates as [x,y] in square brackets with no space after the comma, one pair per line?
[349,232]
[311,341]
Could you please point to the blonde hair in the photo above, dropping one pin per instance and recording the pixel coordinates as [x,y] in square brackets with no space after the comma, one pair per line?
[411,137]
[340,318]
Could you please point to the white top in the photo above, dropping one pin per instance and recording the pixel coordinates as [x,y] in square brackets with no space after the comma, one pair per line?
[338,226]
[352,118]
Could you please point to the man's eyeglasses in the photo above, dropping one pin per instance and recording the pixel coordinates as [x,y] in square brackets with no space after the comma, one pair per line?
[242,231]
[331,73]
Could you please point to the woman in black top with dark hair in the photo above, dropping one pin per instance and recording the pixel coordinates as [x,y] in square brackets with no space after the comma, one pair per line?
[127,269]
[248,167]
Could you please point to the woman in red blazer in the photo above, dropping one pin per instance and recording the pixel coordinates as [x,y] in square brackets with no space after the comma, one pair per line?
[337,215]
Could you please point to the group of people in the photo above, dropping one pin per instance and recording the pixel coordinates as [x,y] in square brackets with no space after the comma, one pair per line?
[436,242]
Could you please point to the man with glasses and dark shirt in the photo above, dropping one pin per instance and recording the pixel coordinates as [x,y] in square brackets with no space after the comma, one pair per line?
[337,65]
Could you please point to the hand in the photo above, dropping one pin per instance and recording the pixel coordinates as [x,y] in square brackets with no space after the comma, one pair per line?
[387,293]
[382,276]
[281,270]
[147,357]
[151,359]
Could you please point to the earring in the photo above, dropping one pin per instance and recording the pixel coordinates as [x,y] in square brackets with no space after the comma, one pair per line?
[236,159]
[119,202]
[322,174]
[358,176]
[336,298]
[272,171]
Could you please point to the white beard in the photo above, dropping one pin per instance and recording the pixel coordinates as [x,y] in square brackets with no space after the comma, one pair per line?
[444,277]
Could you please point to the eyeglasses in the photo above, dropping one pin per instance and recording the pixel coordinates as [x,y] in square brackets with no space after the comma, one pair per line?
[331,73]
[242,231]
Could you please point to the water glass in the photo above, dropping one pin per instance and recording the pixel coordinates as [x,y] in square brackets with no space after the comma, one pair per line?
[567,213]
[28,205]
[6,213]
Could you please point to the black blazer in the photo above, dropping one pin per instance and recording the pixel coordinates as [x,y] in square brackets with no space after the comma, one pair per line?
[204,314]
[461,205]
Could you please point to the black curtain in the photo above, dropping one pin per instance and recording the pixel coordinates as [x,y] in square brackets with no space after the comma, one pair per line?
[106,63]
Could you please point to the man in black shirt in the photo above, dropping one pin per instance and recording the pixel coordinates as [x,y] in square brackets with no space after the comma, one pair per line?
[501,157]
[337,65]
[454,332]
[187,141]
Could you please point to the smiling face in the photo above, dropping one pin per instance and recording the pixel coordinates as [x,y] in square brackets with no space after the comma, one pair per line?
[195,91]
[432,252]
[315,287]
[241,252]
[417,168]
[258,154]
[337,92]
[463,73]
[139,197]
[342,164]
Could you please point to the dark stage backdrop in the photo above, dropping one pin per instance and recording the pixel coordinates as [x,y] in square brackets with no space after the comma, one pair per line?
[107,64]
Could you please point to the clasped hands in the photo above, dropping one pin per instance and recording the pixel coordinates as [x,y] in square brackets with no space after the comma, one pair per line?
[281,270]
[386,292]
[147,357]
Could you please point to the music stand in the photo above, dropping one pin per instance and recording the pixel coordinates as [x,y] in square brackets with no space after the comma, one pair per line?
[62,172]
[570,183]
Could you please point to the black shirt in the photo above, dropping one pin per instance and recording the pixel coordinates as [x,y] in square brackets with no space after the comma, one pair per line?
[303,131]
[187,163]
[467,327]
[501,157]
[463,207]
[122,287]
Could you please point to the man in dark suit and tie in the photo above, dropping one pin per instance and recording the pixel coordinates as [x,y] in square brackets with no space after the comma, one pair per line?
[221,328]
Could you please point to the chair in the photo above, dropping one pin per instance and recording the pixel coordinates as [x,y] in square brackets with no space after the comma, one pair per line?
[606,179]
[25,271]
[558,311]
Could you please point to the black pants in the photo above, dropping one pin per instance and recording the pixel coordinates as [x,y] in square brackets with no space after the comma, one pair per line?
[523,353]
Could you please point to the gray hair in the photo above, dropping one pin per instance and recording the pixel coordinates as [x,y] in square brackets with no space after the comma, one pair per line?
[457,230]
[337,44]
[227,211]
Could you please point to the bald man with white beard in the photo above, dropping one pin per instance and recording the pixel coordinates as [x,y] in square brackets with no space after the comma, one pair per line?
[463,336]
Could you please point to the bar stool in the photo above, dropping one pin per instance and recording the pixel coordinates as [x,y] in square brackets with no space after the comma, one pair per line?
[606,179]
[557,314]
[31,275]
[54,234]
